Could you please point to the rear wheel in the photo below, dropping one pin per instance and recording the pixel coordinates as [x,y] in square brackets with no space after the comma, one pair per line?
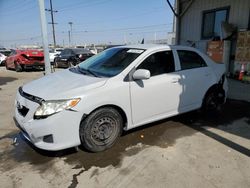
[213,100]
[18,67]
[100,129]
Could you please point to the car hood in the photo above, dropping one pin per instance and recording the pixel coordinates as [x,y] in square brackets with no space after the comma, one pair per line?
[63,84]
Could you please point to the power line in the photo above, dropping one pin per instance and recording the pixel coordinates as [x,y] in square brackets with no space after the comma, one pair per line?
[22,39]
[123,17]
[19,11]
[15,7]
[134,32]
[123,29]
[82,5]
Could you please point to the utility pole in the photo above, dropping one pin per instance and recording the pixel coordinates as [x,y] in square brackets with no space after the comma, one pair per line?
[70,24]
[52,21]
[45,37]
[125,38]
[69,39]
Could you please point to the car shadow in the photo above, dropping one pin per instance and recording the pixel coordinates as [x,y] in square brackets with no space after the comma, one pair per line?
[162,134]
[233,119]
[4,80]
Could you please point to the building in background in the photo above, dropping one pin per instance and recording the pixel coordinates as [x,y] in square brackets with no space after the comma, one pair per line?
[200,21]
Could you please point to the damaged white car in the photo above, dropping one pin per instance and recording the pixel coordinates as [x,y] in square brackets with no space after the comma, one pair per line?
[118,89]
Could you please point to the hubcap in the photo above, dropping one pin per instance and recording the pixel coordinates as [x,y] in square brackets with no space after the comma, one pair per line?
[104,130]
[212,102]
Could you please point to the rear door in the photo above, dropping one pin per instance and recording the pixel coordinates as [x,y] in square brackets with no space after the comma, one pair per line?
[158,96]
[196,77]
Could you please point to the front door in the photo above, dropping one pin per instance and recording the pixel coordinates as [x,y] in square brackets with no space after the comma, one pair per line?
[158,96]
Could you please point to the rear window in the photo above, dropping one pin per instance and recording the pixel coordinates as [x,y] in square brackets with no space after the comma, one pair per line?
[190,60]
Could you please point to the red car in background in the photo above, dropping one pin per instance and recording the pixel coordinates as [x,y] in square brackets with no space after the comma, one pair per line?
[24,59]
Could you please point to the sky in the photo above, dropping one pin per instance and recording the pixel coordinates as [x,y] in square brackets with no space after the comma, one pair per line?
[94,22]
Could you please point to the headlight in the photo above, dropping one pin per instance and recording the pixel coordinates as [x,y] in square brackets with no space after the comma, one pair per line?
[51,107]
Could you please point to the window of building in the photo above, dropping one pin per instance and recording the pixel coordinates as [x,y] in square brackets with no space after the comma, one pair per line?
[190,60]
[159,63]
[211,26]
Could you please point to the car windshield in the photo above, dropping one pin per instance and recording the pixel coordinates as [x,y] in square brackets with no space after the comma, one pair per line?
[110,62]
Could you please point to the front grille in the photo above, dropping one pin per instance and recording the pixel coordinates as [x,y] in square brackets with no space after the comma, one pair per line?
[30,97]
[24,133]
[22,110]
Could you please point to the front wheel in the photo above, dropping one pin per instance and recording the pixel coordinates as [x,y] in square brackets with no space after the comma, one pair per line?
[3,63]
[100,129]
[6,66]
[70,63]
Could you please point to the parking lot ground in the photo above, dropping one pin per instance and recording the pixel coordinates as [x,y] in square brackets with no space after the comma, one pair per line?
[190,150]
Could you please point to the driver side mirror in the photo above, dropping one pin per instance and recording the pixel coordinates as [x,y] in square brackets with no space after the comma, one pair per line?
[141,74]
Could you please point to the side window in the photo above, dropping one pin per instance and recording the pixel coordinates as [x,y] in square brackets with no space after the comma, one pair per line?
[71,52]
[12,52]
[159,63]
[66,52]
[190,59]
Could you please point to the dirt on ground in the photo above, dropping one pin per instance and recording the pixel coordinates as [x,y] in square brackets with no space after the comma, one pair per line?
[189,150]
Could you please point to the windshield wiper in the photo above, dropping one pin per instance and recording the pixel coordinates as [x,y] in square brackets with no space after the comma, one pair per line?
[84,71]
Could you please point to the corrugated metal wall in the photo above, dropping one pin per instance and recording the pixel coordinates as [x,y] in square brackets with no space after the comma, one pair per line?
[191,22]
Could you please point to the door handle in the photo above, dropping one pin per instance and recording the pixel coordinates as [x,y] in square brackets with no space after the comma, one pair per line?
[175,80]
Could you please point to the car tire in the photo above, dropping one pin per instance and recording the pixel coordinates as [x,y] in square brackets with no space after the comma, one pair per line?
[18,67]
[70,63]
[100,130]
[3,63]
[6,66]
[214,100]
[55,64]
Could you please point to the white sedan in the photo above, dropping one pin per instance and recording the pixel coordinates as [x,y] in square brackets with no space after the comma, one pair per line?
[2,58]
[53,54]
[118,89]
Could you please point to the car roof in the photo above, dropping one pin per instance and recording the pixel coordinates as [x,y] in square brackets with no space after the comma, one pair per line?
[158,47]
[77,50]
